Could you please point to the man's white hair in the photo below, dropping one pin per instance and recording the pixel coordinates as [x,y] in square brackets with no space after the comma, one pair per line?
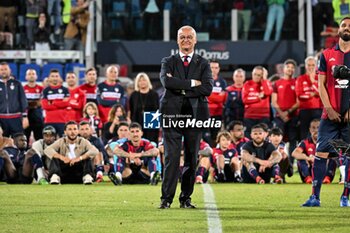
[187,27]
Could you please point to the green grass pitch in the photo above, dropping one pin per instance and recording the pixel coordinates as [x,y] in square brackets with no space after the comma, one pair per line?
[133,208]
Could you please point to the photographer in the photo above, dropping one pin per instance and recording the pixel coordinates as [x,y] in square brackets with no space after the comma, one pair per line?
[334,92]
[75,35]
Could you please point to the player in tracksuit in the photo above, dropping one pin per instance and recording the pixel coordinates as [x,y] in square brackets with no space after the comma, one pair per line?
[137,158]
[33,93]
[109,93]
[55,102]
[256,98]
[217,98]
[305,154]
[18,165]
[260,159]
[90,87]
[77,99]
[234,107]
[13,103]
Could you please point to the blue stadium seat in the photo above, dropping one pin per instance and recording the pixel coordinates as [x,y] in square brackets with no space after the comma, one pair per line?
[14,69]
[23,69]
[49,66]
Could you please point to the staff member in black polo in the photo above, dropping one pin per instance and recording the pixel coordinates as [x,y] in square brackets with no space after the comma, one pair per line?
[187,80]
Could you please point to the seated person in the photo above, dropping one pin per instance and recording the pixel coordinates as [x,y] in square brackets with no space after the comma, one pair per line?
[204,154]
[225,159]
[305,154]
[137,159]
[71,157]
[18,165]
[122,137]
[236,130]
[49,137]
[260,159]
[275,137]
[86,131]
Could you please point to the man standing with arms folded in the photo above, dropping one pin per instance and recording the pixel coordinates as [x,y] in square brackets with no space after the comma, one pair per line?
[90,86]
[109,93]
[187,80]
[256,98]
[55,102]
[336,113]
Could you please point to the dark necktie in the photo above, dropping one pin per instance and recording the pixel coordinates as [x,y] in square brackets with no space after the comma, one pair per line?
[186,63]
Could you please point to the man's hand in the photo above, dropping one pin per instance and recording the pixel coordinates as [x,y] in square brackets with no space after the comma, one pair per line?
[65,159]
[311,159]
[265,163]
[74,161]
[169,75]
[333,115]
[347,116]
[284,116]
[25,122]
[197,82]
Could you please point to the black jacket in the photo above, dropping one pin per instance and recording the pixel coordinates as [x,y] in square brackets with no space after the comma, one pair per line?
[12,98]
[172,99]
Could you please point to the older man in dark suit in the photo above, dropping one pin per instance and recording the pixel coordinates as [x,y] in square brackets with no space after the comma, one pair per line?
[187,80]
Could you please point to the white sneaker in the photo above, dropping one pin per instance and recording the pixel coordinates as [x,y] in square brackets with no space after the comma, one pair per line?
[55,179]
[87,179]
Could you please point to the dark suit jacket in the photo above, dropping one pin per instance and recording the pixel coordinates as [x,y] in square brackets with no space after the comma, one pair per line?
[172,100]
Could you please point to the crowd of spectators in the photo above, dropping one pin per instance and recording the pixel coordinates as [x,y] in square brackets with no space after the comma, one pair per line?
[62,24]
[259,118]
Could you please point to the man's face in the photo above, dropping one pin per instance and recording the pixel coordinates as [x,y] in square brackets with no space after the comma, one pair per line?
[314,129]
[237,132]
[215,68]
[123,132]
[344,30]
[288,70]
[85,131]
[275,139]
[49,138]
[72,132]
[239,78]
[112,73]
[71,80]
[258,135]
[31,76]
[257,75]
[5,71]
[310,66]
[91,77]
[186,40]
[135,134]
[54,78]
[21,142]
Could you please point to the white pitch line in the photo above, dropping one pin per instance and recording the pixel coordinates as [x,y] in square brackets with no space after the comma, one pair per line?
[213,218]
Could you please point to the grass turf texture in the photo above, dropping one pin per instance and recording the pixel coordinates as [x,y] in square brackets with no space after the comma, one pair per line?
[133,208]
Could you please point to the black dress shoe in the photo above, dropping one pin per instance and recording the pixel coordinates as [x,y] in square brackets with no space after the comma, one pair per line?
[187,205]
[164,205]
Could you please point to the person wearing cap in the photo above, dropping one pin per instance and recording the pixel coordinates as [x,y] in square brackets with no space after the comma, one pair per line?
[49,137]
[71,157]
